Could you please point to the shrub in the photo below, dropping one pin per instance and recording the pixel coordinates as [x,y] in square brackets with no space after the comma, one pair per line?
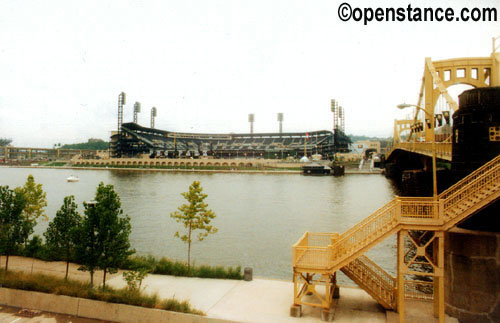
[165,266]
[35,249]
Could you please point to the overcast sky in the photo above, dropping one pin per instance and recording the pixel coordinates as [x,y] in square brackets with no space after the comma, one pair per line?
[206,64]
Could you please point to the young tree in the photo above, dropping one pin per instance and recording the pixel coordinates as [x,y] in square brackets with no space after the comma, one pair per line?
[194,216]
[113,232]
[11,222]
[103,236]
[61,232]
[87,250]
[134,278]
[36,201]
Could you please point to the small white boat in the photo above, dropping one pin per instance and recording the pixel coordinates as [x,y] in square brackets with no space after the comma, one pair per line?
[73,178]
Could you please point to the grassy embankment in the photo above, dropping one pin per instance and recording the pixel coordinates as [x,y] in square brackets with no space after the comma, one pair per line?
[58,286]
[165,266]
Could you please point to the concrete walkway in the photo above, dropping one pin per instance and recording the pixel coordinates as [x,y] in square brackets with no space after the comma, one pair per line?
[260,300]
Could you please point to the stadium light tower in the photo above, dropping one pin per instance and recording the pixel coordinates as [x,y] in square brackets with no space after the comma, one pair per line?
[153,115]
[280,120]
[137,109]
[121,102]
[338,116]
[251,119]
[333,109]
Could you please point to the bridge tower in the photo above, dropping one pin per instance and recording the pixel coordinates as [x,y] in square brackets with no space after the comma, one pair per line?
[471,255]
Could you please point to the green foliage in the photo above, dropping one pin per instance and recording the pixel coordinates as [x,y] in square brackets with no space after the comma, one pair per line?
[87,250]
[103,236]
[194,216]
[5,142]
[12,224]
[114,230]
[36,199]
[165,266]
[35,248]
[58,286]
[176,306]
[134,278]
[61,234]
[97,145]
[35,202]
[56,164]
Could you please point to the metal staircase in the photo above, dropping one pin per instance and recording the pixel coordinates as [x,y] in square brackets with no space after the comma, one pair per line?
[373,279]
[345,252]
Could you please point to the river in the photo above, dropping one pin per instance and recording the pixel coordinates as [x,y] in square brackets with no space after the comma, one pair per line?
[259,216]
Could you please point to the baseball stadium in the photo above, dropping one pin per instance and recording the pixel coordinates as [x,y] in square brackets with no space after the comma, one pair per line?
[132,140]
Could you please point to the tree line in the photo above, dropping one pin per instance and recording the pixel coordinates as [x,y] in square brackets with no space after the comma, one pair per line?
[94,145]
[98,239]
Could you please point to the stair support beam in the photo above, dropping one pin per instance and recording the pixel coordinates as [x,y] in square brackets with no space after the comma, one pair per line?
[401,276]
[439,276]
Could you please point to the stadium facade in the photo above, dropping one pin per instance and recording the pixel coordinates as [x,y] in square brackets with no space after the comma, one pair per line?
[133,140]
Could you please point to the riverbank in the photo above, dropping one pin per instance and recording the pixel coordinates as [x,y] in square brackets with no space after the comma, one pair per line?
[259,300]
[194,170]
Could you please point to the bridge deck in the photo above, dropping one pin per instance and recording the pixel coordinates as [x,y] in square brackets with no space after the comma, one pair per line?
[443,149]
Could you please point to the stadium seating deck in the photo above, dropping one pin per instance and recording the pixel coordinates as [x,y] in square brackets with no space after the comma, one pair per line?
[135,139]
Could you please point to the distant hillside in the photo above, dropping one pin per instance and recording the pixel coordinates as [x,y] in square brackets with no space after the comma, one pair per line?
[384,142]
[360,138]
[93,144]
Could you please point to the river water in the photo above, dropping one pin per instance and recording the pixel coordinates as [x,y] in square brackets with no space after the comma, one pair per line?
[259,216]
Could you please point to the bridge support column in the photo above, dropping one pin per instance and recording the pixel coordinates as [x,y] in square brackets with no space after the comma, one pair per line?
[401,275]
[439,276]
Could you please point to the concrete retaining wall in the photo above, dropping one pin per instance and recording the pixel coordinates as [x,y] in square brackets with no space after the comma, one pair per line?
[186,162]
[94,309]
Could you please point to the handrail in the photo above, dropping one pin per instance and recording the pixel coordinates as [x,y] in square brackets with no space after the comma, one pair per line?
[368,219]
[328,252]
[399,211]
[484,176]
[364,230]
[386,280]
[414,208]
[375,280]
[464,181]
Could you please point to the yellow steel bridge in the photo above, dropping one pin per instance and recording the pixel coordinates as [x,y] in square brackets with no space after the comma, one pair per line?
[418,222]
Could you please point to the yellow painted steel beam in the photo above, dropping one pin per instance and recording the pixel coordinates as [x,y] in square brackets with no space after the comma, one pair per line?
[461,200]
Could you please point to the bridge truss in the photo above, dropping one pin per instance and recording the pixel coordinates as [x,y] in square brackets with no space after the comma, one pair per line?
[438,77]
[418,222]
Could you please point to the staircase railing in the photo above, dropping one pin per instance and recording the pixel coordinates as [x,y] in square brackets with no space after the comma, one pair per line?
[418,210]
[413,210]
[313,250]
[471,191]
[486,168]
[373,279]
[330,252]
[365,232]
